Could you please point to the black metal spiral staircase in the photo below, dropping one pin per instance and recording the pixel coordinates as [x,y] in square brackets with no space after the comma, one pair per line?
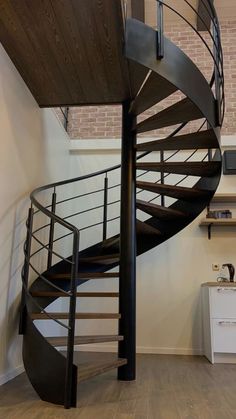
[98,246]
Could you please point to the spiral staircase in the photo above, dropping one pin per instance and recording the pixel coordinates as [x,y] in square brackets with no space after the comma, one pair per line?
[70,237]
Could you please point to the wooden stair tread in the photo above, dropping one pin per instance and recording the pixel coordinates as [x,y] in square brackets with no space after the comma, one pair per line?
[198,140]
[180,112]
[178,192]
[78,294]
[159,211]
[101,259]
[85,372]
[63,315]
[143,228]
[155,89]
[83,340]
[209,168]
[85,275]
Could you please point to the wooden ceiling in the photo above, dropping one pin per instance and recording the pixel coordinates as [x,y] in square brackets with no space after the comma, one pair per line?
[226,10]
[68,52]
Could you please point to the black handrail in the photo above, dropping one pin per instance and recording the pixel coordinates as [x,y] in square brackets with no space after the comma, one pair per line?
[216,54]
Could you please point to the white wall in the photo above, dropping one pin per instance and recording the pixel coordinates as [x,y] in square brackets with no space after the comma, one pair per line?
[33,151]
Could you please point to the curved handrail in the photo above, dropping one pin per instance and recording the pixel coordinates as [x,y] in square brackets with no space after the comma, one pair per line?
[216,53]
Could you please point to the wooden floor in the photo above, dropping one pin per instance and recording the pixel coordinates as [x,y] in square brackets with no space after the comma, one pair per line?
[167,387]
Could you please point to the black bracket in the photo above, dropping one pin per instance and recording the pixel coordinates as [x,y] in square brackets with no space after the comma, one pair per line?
[209,230]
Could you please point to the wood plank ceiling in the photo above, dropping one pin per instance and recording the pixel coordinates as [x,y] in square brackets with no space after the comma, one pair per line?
[68,52]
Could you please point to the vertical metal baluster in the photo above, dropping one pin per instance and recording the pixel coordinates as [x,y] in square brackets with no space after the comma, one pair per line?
[51,231]
[66,118]
[105,207]
[71,370]
[160,30]
[162,177]
[217,76]
[25,271]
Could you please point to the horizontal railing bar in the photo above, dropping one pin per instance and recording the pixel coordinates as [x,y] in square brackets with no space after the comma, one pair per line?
[48,281]
[50,250]
[82,212]
[62,237]
[205,25]
[45,312]
[195,30]
[77,196]
[41,228]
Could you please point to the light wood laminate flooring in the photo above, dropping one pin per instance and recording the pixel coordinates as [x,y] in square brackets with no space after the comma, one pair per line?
[167,387]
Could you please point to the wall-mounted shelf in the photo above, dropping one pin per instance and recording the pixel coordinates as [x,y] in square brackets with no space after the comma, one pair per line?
[220,222]
[224,198]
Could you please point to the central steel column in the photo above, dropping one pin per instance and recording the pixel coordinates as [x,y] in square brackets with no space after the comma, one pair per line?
[127,296]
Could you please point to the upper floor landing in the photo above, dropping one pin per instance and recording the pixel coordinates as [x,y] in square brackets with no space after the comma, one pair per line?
[69,52]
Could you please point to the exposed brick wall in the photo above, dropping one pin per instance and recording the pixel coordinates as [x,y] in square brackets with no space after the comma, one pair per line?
[105,121]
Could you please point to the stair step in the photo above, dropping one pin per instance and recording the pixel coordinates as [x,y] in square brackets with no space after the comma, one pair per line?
[143,228]
[63,315]
[83,340]
[182,111]
[99,368]
[198,140]
[184,168]
[159,211]
[85,275]
[178,192]
[78,294]
[101,259]
[154,90]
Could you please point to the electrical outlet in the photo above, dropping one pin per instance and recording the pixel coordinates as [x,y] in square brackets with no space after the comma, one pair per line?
[215,266]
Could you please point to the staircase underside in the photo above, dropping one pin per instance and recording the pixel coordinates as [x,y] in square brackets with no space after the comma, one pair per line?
[79,59]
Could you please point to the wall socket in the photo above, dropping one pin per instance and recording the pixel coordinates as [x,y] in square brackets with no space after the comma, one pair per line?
[215,266]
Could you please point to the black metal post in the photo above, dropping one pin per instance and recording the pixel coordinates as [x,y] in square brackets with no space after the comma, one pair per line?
[25,271]
[216,51]
[51,231]
[162,178]
[71,370]
[66,118]
[105,207]
[160,30]
[127,297]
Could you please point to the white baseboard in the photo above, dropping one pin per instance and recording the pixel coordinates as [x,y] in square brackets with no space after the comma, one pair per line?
[144,350]
[4,378]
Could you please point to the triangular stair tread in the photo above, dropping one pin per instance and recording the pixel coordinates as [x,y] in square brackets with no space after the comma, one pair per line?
[209,168]
[86,372]
[154,90]
[78,294]
[180,112]
[178,192]
[83,340]
[143,228]
[101,259]
[113,241]
[85,275]
[65,316]
[198,140]
[159,211]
